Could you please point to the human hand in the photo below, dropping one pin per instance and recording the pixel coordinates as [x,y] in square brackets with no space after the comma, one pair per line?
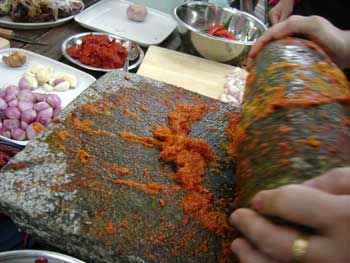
[322,203]
[334,41]
[281,11]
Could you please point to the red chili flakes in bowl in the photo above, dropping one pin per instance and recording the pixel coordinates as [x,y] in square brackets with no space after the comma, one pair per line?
[99,51]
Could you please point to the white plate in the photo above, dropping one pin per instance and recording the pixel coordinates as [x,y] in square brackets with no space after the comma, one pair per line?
[110,16]
[7,22]
[12,76]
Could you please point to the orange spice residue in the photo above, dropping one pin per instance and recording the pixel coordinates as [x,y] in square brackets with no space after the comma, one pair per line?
[129,136]
[313,141]
[85,126]
[38,127]
[62,135]
[130,114]
[149,188]
[204,247]
[110,228]
[83,156]
[162,202]
[146,172]
[119,170]
[191,157]
[90,108]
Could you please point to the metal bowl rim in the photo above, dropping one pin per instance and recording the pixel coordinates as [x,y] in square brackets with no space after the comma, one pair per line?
[230,10]
[15,254]
[77,62]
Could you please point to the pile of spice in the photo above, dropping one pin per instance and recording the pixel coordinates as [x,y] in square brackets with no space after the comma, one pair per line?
[99,51]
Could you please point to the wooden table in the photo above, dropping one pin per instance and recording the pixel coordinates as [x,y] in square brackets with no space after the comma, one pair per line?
[55,37]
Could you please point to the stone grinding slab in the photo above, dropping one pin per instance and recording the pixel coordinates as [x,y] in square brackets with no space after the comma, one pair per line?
[61,187]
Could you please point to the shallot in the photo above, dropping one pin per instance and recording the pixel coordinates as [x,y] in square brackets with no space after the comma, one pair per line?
[234,87]
[25,105]
[18,134]
[13,113]
[137,12]
[53,100]
[23,113]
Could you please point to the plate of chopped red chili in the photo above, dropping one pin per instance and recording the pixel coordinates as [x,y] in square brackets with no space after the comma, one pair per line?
[101,51]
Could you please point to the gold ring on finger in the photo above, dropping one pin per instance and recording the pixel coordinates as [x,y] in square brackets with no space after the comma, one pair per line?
[300,246]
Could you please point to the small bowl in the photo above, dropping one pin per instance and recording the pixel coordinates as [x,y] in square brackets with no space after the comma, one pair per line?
[195,18]
[136,54]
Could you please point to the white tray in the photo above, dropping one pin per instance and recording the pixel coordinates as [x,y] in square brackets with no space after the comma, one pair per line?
[12,76]
[110,16]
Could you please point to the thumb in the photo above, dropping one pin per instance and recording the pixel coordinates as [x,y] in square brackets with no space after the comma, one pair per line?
[336,181]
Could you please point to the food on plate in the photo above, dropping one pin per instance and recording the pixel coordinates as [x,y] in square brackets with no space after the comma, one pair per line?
[136,12]
[6,153]
[234,87]
[221,31]
[5,7]
[34,11]
[68,7]
[24,113]
[15,59]
[99,51]
[40,10]
[46,78]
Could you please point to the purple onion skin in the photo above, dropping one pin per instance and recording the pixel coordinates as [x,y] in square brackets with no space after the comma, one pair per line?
[23,125]
[24,84]
[18,134]
[29,115]
[11,90]
[3,104]
[53,100]
[41,106]
[44,116]
[9,124]
[57,111]
[57,81]
[2,93]
[8,98]
[39,97]
[13,103]
[13,113]
[31,133]
[26,95]
[6,134]
[25,105]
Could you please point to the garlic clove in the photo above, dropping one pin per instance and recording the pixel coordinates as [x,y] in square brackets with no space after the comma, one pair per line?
[47,87]
[35,69]
[73,82]
[63,86]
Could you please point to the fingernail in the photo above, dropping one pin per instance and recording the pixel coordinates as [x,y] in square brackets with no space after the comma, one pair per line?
[233,219]
[258,202]
[234,245]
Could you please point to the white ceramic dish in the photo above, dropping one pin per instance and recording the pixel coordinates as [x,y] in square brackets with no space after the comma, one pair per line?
[12,76]
[77,40]
[110,16]
[7,22]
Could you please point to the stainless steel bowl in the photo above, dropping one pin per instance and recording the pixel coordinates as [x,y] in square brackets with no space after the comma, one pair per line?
[136,54]
[195,18]
[29,256]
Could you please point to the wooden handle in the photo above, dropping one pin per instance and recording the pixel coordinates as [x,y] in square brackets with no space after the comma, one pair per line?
[6,33]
